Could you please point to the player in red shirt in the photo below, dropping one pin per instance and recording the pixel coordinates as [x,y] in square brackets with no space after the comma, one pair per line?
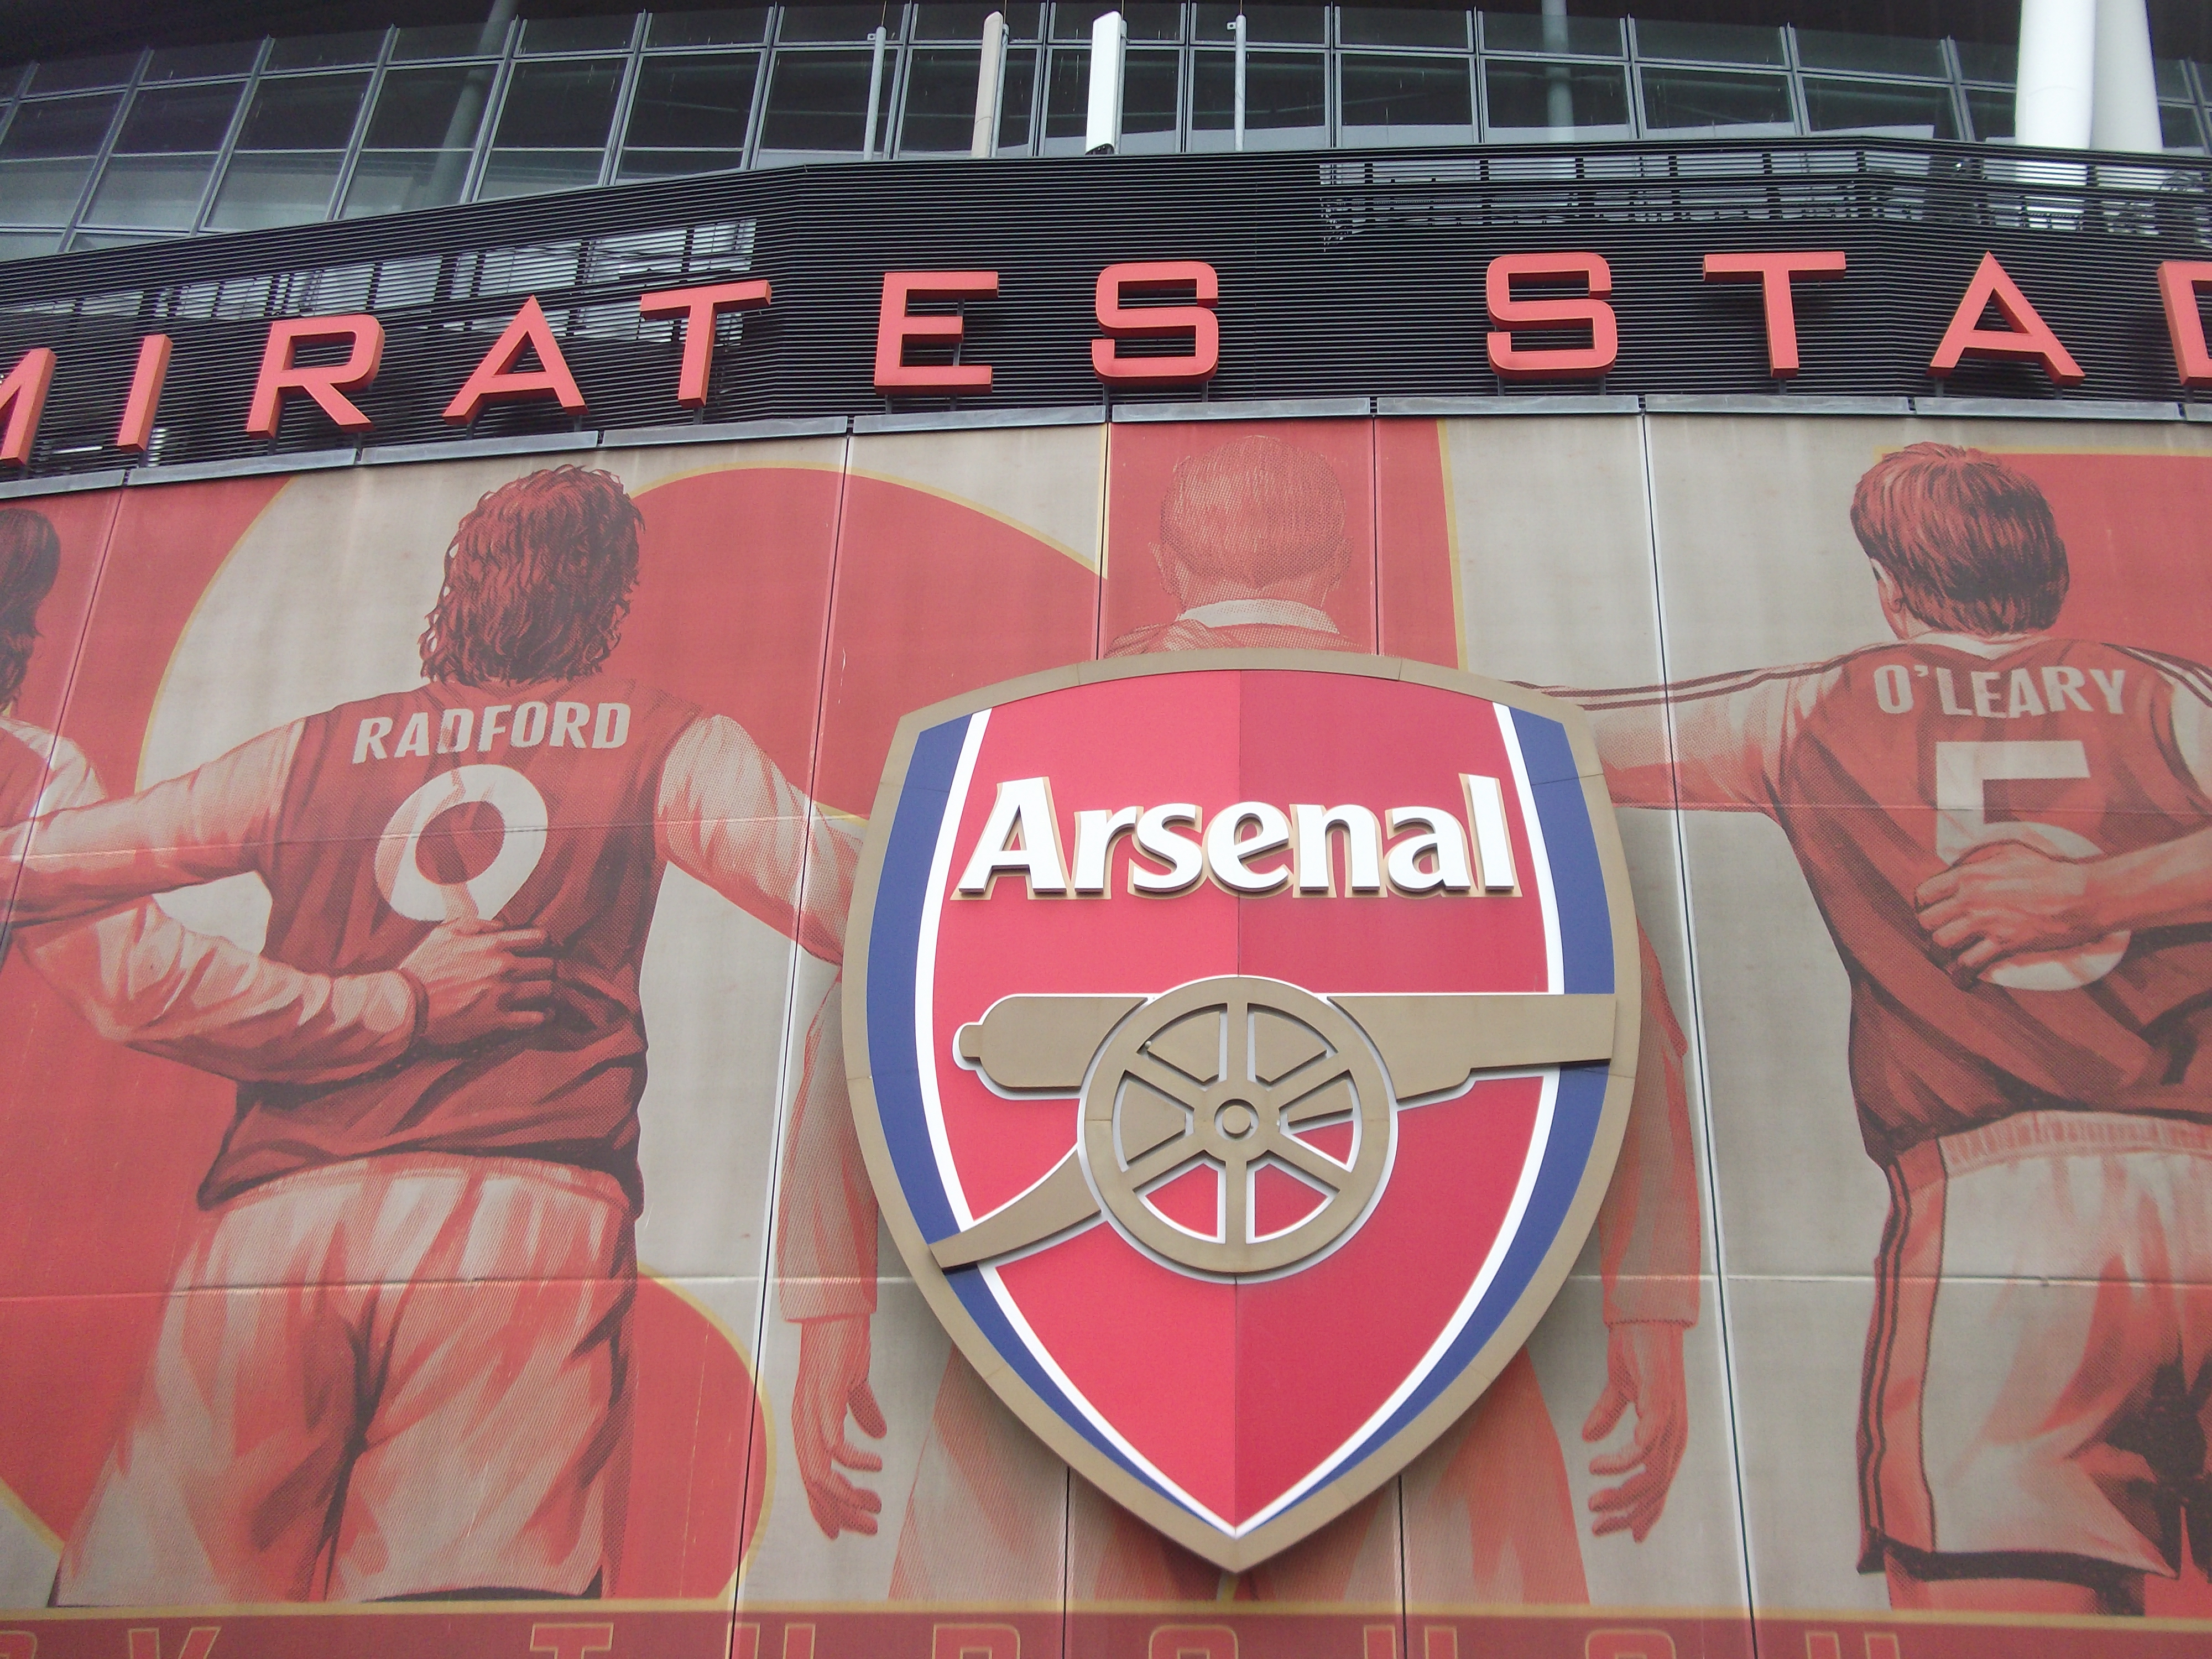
[2009,833]
[139,978]
[426,1389]
[1251,543]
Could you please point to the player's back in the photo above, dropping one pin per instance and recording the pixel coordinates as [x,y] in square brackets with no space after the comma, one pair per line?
[1916,754]
[532,806]
[1187,633]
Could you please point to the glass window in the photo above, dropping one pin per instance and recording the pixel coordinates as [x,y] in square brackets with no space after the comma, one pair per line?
[742,27]
[195,62]
[30,245]
[305,111]
[98,238]
[430,108]
[325,50]
[178,119]
[1538,98]
[2173,77]
[402,181]
[702,102]
[1017,88]
[1991,113]
[1292,25]
[535,171]
[965,22]
[2178,128]
[1285,101]
[42,193]
[939,116]
[559,105]
[75,72]
[150,192]
[818,107]
[542,35]
[1147,19]
[289,187]
[1980,61]
[1398,25]
[1405,101]
[1710,43]
[1694,100]
[448,40]
[638,164]
[60,126]
[1596,37]
[1152,83]
[835,23]
[1880,54]
[1877,107]
[1067,101]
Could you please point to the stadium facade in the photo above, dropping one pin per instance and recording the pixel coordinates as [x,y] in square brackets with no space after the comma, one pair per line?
[457,463]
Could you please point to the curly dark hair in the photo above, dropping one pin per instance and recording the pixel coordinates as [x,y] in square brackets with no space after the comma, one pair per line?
[30,559]
[537,581]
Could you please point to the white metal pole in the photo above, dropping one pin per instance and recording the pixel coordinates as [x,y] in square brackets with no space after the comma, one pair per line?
[1102,127]
[1239,27]
[989,75]
[2124,114]
[875,91]
[2057,58]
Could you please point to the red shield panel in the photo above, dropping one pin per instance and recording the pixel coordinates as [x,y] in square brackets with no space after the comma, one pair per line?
[1240,1046]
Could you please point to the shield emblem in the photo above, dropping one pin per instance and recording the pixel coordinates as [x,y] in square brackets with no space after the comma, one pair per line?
[1240,1043]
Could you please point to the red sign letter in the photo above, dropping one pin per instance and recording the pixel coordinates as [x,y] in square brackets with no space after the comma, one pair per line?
[23,400]
[1122,322]
[18,1644]
[1774,270]
[1514,363]
[571,1641]
[2027,336]
[326,383]
[700,306]
[974,1641]
[496,376]
[895,326]
[2177,283]
[137,429]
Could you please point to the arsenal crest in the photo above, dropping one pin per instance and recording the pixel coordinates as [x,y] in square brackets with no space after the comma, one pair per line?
[1241,1043]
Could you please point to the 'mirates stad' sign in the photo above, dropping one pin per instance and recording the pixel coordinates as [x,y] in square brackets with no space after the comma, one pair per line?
[1241,1044]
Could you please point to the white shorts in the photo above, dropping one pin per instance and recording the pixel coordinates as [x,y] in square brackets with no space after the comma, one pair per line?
[2034,1402]
[402,1376]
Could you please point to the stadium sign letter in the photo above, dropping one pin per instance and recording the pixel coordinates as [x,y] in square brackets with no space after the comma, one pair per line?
[23,400]
[326,383]
[1196,321]
[136,430]
[2178,282]
[1773,273]
[2027,335]
[896,325]
[1514,363]
[699,306]
[496,376]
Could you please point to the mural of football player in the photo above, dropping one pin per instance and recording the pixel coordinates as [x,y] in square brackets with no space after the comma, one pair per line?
[428,1393]
[1252,538]
[2009,833]
[140,978]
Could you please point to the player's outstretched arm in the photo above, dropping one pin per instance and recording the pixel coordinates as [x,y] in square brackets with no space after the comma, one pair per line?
[207,824]
[1713,744]
[1643,1369]
[2009,897]
[729,818]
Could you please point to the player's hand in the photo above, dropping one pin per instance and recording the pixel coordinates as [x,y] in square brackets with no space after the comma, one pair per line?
[2006,897]
[1643,1369]
[482,980]
[833,1381]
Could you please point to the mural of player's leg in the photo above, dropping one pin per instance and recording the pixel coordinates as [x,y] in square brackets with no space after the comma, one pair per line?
[300,1441]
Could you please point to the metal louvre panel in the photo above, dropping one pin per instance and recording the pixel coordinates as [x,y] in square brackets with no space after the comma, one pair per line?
[1341,276]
